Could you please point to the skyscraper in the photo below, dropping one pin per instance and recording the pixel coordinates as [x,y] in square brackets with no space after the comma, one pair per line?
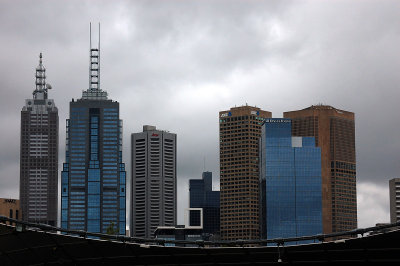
[290,175]
[240,129]
[93,177]
[202,196]
[153,197]
[39,154]
[334,133]
[394,194]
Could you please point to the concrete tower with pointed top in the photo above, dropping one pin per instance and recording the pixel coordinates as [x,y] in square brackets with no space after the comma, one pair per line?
[93,177]
[39,154]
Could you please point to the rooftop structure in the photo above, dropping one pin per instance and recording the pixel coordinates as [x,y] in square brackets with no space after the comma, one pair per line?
[43,245]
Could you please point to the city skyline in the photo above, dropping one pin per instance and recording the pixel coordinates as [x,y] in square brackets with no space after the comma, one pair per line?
[152,56]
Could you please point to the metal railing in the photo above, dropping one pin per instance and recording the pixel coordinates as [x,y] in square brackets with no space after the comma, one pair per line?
[22,226]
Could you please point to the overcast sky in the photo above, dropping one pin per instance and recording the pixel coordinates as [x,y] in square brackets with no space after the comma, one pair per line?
[176,64]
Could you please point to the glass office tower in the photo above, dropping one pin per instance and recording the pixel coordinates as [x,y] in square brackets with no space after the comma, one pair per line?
[290,179]
[202,196]
[93,177]
[334,132]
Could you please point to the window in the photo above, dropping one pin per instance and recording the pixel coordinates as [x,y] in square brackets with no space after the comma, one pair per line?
[11,213]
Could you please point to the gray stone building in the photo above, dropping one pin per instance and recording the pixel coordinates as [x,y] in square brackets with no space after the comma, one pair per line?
[39,154]
[153,199]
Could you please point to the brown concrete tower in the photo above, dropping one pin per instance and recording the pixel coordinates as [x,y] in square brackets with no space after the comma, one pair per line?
[240,129]
[334,132]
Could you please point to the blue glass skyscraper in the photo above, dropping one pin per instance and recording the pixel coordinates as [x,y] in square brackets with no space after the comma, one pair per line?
[290,178]
[93,177]
[202,196]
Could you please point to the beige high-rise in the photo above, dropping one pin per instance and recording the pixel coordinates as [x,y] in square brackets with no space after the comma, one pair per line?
[334,133]
[240,129]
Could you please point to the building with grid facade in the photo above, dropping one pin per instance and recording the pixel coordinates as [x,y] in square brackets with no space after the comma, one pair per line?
[290,182]
[394,195]
[93,177]
[39,154]
[153,199]
[334,132]
[239,132]
[202,196]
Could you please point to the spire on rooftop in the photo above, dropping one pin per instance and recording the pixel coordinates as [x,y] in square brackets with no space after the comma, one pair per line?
[41,88]
[94,92]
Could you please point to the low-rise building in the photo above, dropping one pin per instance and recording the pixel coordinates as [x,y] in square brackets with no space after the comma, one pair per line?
[10,208]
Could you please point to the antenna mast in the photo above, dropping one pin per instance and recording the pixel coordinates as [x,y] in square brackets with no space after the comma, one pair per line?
[94,64]
[94,92]
[40,91]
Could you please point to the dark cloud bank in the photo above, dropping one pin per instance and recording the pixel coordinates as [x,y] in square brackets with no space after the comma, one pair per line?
[175,64]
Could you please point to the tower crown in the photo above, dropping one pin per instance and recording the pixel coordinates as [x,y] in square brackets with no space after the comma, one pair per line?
[40,92]
[94,92]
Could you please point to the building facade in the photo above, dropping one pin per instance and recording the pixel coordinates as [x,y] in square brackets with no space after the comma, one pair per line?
[39,154]
[202,196]
[178,232]
[10,208]
[394,194]
[290,182]
[153,199]
[239,132]
[93,179]
[334,133]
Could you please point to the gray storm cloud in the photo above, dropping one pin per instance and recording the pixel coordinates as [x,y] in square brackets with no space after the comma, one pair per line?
[175,64]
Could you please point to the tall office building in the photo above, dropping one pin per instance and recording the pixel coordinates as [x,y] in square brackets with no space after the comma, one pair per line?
[394,194]
[202,196]
[334,133]
[39,154]
[153,199]
[290,182]
[93,177]
[240,129]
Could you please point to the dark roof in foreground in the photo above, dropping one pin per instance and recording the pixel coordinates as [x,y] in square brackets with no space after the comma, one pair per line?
[20,245]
